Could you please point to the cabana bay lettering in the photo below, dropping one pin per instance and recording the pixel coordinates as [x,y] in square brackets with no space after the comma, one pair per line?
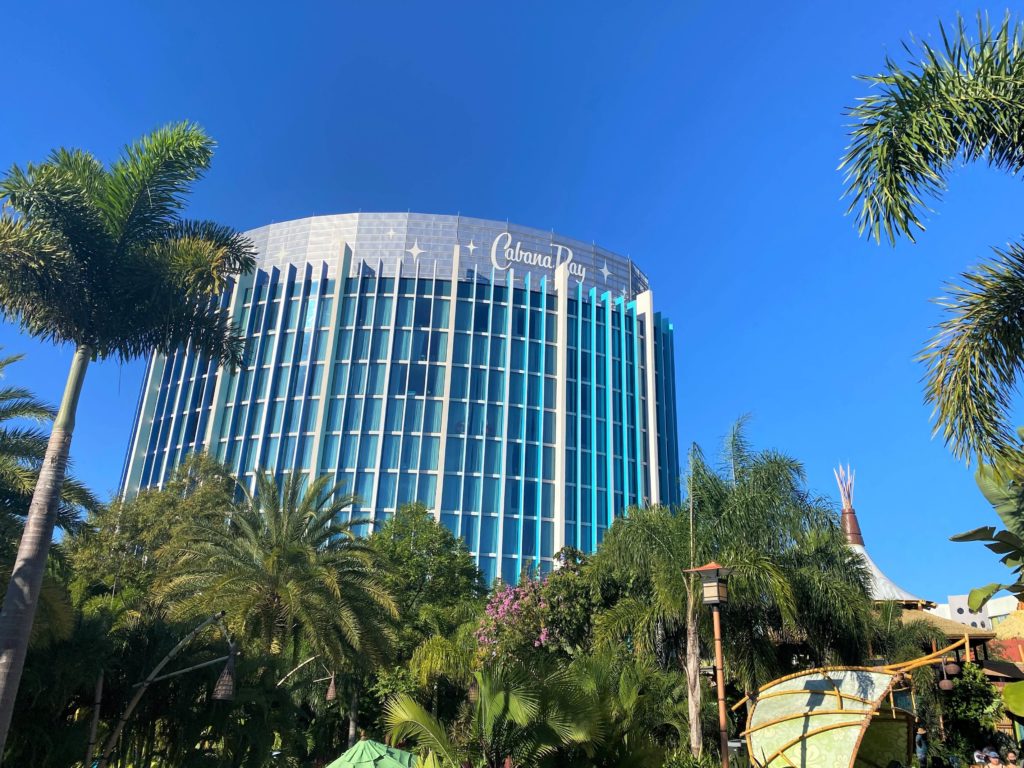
[504,255]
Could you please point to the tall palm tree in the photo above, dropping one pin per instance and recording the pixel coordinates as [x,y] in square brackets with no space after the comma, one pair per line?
[792,574]
[962,101]
[100,258]
[291,574]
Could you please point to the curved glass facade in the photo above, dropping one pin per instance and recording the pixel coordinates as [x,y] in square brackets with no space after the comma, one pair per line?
[518,383]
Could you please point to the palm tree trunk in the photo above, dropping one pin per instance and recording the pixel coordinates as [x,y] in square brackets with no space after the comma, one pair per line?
[19,608]
[693,692]
[353,714]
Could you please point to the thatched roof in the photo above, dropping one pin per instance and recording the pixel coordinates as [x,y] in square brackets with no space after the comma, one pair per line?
[952,629]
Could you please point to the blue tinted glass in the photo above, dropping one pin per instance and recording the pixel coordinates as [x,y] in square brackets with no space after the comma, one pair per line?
[435,381]
[382,314]
[432,414]
[428,452]
[407,489]
[453,455]
[403,317]
[463,316]
[450,496]
[368,452]
[460,382]
[396,412]
[353,414]
[410,452]
[417,379]
[438,347]
[364,314]
[371,416]
[386,490]
[426,491]
[460,354]
[440,318]
[347,459]
[488,534]
[389,452]
[422,315]
[457,418]
[413,415]
[379,348]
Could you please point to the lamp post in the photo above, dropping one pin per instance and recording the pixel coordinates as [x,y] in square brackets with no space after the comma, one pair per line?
[716,594]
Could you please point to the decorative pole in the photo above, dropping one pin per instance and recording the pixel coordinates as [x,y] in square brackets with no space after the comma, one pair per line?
[713,577]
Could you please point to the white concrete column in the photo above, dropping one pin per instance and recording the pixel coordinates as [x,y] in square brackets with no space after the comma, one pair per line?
[645,309]
[561,393]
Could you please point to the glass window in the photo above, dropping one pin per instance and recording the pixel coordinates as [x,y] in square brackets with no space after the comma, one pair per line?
[453,455]
[324,314]
[348,311]
[428,452]
[450,495]
[419,345]
[515,420]
[406,285]
[426,490]
[413,415]
[382,314]
[399,376]
[440,318]
[474,455]
[476,419]
[309,417]
[386,490]
[353,413]
[347,459]
[379,348]
[477,382]
[364,315]
[460,382]
[357,379]
[389,452]
[396,411]
[495,423]
[361,345]
[318,379]
[443,287]
[460,354]
[497,352]
[344,350]
[438,347]
[470,495]
[403,345]
[488,534]
[422,314]
[375,378]
[457,418]
[498,317]
[435,381]
[417,379]
[496,386]
[334,415]
[479,349]
[492,458]
[410,452]
[371,415]
[432,415]
[367,452]
[463,316]
[406,489]
[403,317]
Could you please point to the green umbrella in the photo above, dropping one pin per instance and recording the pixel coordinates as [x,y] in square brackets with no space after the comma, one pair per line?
[373,754]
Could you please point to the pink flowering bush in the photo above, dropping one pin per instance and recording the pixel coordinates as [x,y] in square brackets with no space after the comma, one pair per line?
[514,622]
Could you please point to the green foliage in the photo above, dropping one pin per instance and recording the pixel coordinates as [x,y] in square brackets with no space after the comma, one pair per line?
[429,572]
[1004,490]
[101,258]
[973,708]
[958,102]
[287,569]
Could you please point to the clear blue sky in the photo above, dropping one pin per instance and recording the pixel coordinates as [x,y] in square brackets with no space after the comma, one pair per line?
[701,138]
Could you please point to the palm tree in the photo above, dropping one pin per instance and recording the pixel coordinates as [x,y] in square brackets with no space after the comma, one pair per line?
[291,574]
[512,719]
[101,259]
[793,577]
[962,101]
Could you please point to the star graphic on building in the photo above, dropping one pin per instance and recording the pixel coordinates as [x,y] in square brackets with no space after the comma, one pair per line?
[605,271]
[391,234]
[471,247]
[415,250]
